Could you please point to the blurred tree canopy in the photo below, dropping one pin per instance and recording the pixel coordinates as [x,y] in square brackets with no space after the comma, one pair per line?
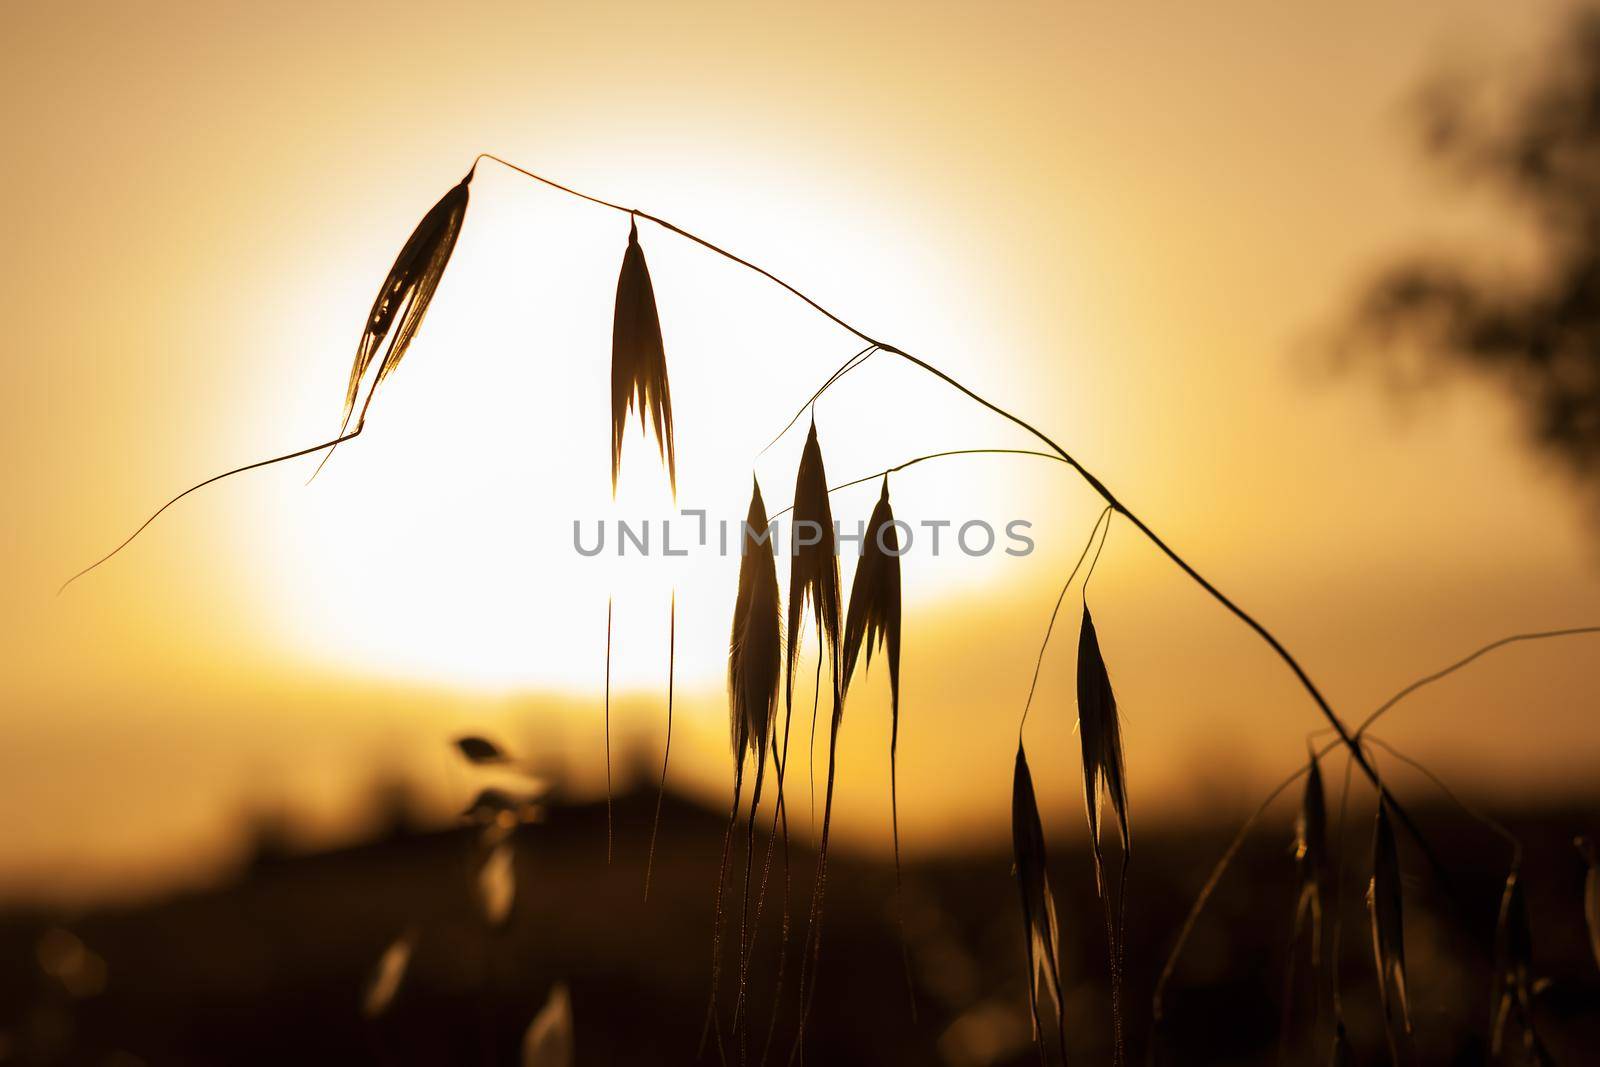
[1534,141]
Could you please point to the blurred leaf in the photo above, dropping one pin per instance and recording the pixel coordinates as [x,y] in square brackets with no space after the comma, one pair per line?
[548,1041]
[481,750]
[387,975]
[497,884]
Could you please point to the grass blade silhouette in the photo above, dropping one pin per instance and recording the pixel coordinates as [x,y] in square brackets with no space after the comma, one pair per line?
[313,450]
[406,292]
[814,577]
[755,651]
[609,831]
[1591,896]
[1514,982]
[666,752]
[1040,926]
[1388,931]
[403,299]
[1104,775]
[639,362]
[1311,874]
[872,621]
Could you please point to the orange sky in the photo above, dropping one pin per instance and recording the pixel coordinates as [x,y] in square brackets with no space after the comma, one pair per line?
[1128,224]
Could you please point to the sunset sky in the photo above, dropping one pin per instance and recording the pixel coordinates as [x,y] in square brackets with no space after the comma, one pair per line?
[1131,224]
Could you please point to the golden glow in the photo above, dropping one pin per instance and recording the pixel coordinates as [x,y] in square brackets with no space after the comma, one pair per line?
[439,546]
[1122,223]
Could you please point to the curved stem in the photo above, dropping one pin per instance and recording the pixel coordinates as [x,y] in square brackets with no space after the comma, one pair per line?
[1210,886]
[1338,895]
[923,459]
[1496,827]
[666,751]
[1238,841]
[1099,487]
[844,368]
[608,731]
[1093,563]
[1537,635]
[1048,630]
[481,156]
[341,439]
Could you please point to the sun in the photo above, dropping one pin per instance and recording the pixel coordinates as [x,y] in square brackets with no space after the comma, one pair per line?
[446,543]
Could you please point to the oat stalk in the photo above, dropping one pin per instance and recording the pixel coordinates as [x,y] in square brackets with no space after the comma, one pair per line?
[1088,476]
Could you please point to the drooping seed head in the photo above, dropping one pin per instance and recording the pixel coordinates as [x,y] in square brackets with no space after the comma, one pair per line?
[1591,896]
[1388,926]
[813,562]
[639,362]
[1311,857]
[755,647]
[1100,731]
[1038,902]
[1513,959]
[874,616]
[407,291]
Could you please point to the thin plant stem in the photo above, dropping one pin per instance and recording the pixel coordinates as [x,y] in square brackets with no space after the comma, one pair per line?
[1538,635]
[666,752]
[711,1024]
[1113,934]
[1088,476]
[923,459]
[1093,563]
[783,943]
[1385,707]
[899,896]
[844,368]
[1210,886]
[201,485]
[747,946]
[1033,685]
[608,730]
[1493,825]
[1338,906]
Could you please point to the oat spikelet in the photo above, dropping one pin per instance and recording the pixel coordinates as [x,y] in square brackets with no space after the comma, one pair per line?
[638,362]
[1038,902]
[813,561]
[755,647]
[1311,858]
[406,293]
[1342,1055]
[1514,984]
[387,975]
[1312,874]
[1388,928]
[814,575]
[1100,730]
[874,621]
[1591,896]
[755,660]
[548,1039]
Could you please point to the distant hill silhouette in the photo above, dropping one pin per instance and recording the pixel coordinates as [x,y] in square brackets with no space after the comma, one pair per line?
[270,969]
